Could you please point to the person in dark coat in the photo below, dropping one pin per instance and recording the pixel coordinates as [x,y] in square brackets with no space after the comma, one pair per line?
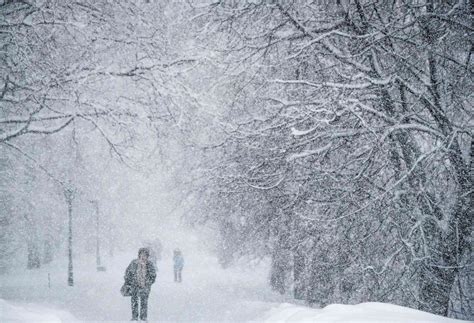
[178,264]
[140,275]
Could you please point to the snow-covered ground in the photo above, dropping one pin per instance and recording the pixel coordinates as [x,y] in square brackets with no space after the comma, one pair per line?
[11,312]
[207,294]
[365,312]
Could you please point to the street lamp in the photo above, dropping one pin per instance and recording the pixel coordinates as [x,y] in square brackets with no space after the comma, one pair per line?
[69,195]
[98,264]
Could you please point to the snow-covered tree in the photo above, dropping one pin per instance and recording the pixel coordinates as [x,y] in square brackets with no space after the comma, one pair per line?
[359,115]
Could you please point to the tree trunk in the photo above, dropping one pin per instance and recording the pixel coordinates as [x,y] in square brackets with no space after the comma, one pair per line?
[48,251]
[298,274]
[69,196]
[34,260]
[441,271]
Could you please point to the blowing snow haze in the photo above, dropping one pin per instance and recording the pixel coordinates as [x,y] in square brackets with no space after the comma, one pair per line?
[292,160]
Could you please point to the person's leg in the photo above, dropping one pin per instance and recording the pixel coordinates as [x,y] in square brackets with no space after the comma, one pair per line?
[175,274]
[179,275]
[134,305]
[144,305]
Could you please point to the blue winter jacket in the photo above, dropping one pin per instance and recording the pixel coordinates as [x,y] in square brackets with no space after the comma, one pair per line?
[178,262]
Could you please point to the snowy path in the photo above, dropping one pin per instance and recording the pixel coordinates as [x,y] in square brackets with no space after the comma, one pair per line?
[207,293]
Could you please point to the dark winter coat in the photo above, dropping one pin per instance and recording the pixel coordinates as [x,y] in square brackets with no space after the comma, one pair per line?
[131,277]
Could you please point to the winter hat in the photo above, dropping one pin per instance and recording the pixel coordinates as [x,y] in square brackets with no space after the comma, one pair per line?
[144,251]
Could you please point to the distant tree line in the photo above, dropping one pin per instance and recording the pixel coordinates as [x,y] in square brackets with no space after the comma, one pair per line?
[78,81]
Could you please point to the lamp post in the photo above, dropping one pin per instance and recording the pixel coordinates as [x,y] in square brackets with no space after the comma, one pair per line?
[69,195]
[97,254]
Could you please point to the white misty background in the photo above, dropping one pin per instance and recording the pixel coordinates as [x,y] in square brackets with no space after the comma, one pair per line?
[332,139]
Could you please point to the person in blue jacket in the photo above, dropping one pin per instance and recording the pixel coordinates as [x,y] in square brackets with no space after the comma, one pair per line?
[178,264]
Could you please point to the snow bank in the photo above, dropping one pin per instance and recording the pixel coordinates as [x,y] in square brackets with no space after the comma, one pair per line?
[365,312]
[31,313]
